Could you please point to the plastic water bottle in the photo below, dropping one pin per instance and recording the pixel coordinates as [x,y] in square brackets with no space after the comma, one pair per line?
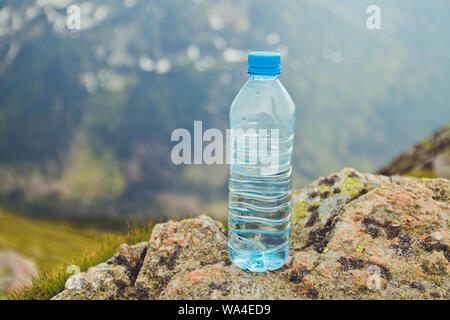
[262,121]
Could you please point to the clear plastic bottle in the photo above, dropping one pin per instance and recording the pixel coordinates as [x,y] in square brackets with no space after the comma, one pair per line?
[262,121]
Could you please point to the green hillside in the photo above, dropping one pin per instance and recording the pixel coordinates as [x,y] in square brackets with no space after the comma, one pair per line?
[46,243]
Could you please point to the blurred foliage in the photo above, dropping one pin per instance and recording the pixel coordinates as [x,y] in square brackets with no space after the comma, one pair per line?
[93,174]
[86,116]
[422,174]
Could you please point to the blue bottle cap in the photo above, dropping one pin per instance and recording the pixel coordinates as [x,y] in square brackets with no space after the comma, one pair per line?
[264,63]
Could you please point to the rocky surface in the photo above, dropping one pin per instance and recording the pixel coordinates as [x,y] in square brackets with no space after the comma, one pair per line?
[354,236]
[15,271]
[429,158]
[178,247]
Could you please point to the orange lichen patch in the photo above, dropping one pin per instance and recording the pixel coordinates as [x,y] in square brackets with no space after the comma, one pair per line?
[160,233]
[398,198]
[168,242]
[359,278]
[408,221]
[196,276]
[381,192]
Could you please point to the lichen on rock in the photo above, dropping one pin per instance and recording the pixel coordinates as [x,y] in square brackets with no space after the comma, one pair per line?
[354,236]
[316,211]
[180,246]
[385,235]
[225,281]
[112,280]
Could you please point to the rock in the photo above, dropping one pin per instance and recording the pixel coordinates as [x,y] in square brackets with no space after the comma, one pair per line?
[429,158]
[102,282]
[377,244]
[177,247]
[131,258]
[224,281]
[317,207]
[111,280]
[15,272]
[354,236]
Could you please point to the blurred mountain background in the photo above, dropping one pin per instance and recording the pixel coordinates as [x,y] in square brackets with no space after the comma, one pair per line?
[86,116]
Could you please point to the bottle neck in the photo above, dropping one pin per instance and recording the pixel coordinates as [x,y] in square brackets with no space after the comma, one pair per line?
[264,77]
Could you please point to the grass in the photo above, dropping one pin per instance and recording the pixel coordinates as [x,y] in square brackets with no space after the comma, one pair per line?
[56,245]
[52,282]
[46,243]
